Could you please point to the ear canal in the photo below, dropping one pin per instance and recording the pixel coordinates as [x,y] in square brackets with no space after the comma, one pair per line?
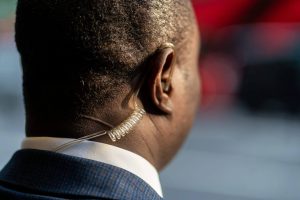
[165,86]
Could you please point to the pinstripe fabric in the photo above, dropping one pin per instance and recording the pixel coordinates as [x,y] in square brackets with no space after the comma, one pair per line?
[36,174]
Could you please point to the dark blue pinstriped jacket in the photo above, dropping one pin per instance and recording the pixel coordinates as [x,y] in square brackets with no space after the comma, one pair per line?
[36,174]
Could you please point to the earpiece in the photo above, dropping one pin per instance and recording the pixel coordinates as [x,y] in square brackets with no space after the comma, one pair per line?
[166,86]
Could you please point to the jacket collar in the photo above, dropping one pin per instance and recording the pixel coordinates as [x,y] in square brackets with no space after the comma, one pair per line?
[63,175]
[101,152]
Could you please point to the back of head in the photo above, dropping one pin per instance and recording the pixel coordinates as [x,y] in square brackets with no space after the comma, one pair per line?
[78,54]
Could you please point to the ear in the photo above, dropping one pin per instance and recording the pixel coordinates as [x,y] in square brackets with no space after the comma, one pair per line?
[163,65]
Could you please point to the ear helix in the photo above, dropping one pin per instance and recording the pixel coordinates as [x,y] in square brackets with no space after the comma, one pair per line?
[167,84]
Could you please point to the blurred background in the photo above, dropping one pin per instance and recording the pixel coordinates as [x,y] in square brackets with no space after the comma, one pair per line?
[245,144]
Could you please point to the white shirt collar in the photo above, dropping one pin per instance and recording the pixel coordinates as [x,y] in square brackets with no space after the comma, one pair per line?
[103,153]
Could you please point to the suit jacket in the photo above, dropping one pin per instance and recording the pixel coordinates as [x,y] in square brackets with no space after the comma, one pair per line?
[36,174]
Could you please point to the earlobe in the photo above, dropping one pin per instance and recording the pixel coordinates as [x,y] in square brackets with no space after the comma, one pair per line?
[161,85]
[165,104]
[162,98]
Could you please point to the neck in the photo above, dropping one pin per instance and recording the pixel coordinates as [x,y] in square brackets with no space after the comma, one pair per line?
[137,140]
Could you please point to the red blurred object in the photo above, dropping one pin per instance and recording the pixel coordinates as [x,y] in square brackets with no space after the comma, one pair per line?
[283,11]
[220,76]
[213,15]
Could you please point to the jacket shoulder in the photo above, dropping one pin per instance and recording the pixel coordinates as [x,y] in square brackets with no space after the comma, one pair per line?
[36,174]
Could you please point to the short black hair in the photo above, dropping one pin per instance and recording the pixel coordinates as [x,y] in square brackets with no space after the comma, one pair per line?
[77,53]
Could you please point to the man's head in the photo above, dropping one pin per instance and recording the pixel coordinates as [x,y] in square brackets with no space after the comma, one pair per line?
[86,57]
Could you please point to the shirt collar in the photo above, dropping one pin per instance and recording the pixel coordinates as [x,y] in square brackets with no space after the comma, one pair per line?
[102,153]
